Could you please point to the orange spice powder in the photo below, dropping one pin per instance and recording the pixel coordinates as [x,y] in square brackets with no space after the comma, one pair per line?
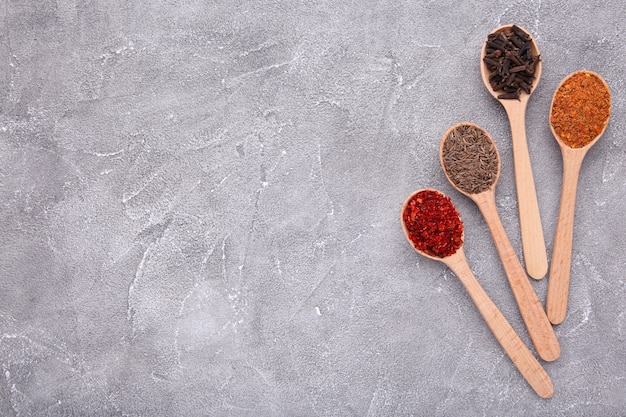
[580,109]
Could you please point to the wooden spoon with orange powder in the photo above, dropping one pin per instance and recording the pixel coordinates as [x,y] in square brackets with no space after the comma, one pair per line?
[579,114]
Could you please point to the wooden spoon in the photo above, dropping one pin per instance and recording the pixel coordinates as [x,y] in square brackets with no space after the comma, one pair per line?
[517,351]
[558,283]
[533,243]
[537,323]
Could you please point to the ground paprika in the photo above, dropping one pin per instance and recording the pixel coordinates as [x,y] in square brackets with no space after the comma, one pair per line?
[580,108]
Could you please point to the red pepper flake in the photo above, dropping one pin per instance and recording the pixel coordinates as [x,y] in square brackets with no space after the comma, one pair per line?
[433,223]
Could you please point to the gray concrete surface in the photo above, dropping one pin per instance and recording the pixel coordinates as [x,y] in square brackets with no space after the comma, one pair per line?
[199,210]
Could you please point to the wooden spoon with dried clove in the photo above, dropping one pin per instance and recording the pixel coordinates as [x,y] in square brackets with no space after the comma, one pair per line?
[510,66]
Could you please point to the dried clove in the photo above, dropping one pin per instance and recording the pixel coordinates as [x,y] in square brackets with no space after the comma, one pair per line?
[511,62]
[518,68]
[514,95]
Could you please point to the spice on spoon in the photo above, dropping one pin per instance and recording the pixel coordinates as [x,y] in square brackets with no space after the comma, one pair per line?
[580,109]
[433,224]
[511,61]
[470,159]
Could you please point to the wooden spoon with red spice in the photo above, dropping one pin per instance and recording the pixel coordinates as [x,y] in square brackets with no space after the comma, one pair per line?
[471,162]
[533,243]
[434,228]
[579,115]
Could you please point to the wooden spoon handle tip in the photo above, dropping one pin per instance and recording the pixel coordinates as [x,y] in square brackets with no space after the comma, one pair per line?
[533,244]
[539,328]
[559,280]
[520,355]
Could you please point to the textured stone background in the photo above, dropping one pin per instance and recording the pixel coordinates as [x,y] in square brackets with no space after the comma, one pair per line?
[199,209]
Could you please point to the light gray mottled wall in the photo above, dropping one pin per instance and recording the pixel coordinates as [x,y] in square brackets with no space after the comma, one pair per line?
[199,209]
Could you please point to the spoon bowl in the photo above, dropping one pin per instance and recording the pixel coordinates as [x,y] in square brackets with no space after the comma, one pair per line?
[485,73]
[520,355]
[465,165]
[533,244]
[559,280]
[559,140]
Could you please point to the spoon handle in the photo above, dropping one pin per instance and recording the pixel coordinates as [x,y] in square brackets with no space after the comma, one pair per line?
[537,323]
[517,351]
[558,283]
[533,243]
